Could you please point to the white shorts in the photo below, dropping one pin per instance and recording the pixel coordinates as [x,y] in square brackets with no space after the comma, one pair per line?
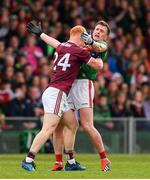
[55,101]
[81,94]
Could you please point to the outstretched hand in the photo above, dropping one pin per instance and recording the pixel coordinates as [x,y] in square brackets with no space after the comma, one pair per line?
[87,38]
[34,28]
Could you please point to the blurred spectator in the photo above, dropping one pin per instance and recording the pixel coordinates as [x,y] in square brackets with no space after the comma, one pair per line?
[119,108]
[4,23]
[14,43]
[147,106]
[118,79]
[9,61]
[9,74]
[6,95]
[22,33]
[137,108]
[140,76]
[44,70]
[13,26]
[102,112]
[145,88]
[137,105]
[132,66]
[2,54]
[33,102]
[28,72]
[32,52]
[125,89]
[112,91]
[19,78]
[100,87]
[17,106]
[33,107]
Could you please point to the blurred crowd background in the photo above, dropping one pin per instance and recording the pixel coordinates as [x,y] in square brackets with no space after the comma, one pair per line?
[122,88]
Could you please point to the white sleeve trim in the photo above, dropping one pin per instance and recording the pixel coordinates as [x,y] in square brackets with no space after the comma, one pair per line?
[102,44]
[89,60]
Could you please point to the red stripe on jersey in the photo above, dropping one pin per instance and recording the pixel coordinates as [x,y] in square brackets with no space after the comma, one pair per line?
[90,93]
[58,102]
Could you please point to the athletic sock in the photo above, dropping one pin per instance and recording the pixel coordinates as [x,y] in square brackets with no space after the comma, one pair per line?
[58,158]
[103,155]
[70,158]
[71,161]
[30,157]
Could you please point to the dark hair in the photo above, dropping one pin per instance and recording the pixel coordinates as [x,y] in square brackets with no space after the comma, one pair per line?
[104,23]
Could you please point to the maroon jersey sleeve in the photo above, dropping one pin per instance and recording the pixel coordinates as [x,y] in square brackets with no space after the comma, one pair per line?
[84,55]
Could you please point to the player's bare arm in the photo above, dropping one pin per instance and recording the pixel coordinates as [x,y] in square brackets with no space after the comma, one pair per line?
[96,46]
[49,40]
[36,29]
[96,63]
[99,46]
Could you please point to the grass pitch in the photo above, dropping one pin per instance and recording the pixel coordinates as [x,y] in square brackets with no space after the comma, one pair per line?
[123,166]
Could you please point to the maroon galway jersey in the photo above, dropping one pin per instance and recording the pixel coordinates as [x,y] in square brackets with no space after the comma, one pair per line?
[68,59]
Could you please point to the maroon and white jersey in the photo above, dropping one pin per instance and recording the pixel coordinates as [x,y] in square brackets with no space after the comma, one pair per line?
[68,59]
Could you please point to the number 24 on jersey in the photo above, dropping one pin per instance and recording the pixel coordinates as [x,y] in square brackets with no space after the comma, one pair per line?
[63,62]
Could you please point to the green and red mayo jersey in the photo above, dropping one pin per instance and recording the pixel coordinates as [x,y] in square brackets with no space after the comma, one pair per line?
[87,72]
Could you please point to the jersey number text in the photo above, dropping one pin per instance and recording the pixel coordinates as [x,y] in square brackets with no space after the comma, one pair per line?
[63,62]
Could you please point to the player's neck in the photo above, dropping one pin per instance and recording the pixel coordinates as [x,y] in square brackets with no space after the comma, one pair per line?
[74,40]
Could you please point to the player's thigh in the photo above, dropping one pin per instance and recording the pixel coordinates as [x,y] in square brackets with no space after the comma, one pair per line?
[70,99]
[86,116]
[50,122]
[69,119]
[83,93]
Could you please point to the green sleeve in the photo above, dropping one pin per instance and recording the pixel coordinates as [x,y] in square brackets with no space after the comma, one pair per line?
[50,50]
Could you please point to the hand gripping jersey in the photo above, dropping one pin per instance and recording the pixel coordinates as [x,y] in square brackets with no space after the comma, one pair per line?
[68,60]
[87,72]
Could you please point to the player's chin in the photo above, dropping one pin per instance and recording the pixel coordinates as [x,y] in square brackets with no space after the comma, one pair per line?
[96,38]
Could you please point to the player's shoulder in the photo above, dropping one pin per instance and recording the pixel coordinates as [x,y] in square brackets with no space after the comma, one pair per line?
[64,45]
[83,51]
[69,45]
[76,48]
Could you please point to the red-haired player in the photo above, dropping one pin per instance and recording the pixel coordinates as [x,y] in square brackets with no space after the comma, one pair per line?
[69,57]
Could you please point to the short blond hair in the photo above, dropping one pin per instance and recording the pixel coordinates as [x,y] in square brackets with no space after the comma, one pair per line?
[77,30]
